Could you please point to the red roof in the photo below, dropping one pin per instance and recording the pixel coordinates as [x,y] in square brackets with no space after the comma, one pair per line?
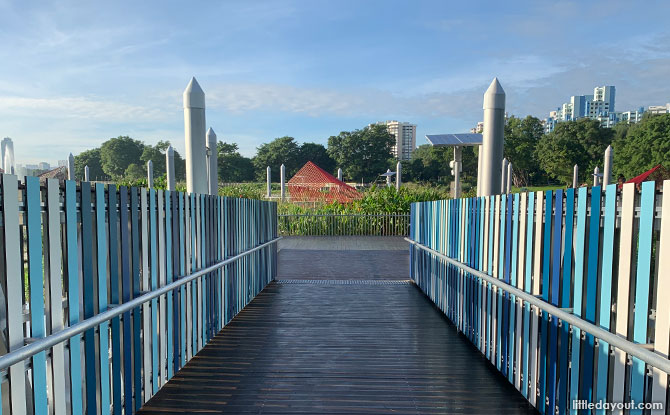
[651,174]
[312,184]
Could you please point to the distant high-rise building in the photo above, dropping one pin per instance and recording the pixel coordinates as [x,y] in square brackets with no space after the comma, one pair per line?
[7,150]
[659,109]
[405,138]
[44,166]
[478,129]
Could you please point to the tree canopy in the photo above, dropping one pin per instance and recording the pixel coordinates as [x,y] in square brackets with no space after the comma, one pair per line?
[643,146]
[282,150]
[232,166]
[362,154]
[317,154]
[116,154]
[521,139]
[90,158]
[582,142]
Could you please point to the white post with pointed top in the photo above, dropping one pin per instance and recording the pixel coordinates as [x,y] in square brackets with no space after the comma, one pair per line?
[169,167]
[282,181]
[596,176]
[269,183]
[87,172]
[398,173]
[493,139]
[607,166]
[194,132]
[339,174]
[509,178]
[457,179]
[575,177]
[503,177]
[212,166]
[70,167]
[150,174]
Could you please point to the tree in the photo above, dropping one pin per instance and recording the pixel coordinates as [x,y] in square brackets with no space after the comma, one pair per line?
[283,150]
[643,146]
[134,172]
[521,138]
[156,154]
[317,154]
[232,166]
[116,154]
[582,142]
[362,154]
[90,158]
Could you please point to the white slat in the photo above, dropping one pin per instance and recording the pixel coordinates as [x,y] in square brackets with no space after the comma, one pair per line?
[56,295]
[623,287]
[14,273]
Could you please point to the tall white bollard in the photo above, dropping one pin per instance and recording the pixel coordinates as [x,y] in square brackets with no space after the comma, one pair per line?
[503,177]
[212,167]
[607,166]
[509,178]
[194,132]
[282,182]
[596,177]
[169,167]
[339,174]
[70,167]
[269,184]
[479,171]
[150,174]
[398,173]
[575,177]
[493,139]
[87,174]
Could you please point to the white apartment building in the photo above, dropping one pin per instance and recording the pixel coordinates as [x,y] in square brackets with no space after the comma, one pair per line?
[405,138]
[659,109]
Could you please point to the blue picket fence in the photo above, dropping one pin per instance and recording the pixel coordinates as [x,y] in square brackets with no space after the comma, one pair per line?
[597,257]
[108,291]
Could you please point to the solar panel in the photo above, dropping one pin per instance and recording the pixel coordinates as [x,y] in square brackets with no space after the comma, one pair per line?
[450,140]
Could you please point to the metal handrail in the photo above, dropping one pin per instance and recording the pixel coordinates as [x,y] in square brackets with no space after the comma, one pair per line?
[42,344]
[633,349]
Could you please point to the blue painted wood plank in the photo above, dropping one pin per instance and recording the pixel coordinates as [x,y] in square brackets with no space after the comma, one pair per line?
[153,257]
[512,280]
[554,299]
[114,297]
[101,261]
[36,281]
[544,323]
[73,294]
[169,253]
[126,293]
[642,281]
[527,287]
[578,290]
[606,290]
[136,292]
[591,294]
[565,301]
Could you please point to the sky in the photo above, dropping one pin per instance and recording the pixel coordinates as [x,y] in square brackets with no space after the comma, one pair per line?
[74,74]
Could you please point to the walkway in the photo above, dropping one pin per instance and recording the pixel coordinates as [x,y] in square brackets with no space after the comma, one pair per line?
[333,346]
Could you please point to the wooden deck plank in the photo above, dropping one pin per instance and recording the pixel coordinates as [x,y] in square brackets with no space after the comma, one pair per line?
[333,348]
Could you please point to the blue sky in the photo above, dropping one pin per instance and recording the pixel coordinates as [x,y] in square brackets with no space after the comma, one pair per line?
[73,74]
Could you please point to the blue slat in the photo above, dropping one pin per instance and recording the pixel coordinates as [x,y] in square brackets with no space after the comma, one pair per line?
[554,294]
[544,323]
[103,330]
[566,295]
[36,279]
[153,258]
[114,297]
[642,280]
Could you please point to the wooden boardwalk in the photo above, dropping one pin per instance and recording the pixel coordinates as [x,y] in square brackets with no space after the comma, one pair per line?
[369,347]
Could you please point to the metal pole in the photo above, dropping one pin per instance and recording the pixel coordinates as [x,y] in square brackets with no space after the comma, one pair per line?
[493,138]
[503,177]
[169,167]
[87,172]
[212,166]
[194,134]
[398,173]
[269,183]
[150,174]
[457,179]
[70,167]
[509,178]
[282,181]
[479,170]
[607,166]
